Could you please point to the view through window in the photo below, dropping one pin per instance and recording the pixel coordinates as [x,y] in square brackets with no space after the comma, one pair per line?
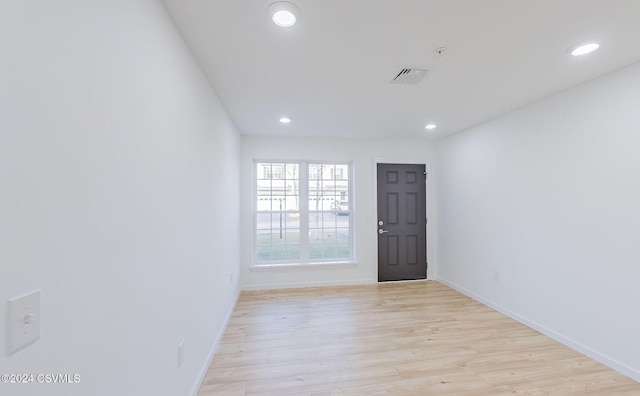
[303,212]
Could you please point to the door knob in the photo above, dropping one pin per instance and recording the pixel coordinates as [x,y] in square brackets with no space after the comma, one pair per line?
[381,231]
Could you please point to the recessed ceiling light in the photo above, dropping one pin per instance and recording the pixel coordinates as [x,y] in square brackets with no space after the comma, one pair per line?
[583,48]
[285,120]
[430,127]
[283,13]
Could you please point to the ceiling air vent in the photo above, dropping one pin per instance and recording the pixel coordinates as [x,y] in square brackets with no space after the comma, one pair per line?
[409,76]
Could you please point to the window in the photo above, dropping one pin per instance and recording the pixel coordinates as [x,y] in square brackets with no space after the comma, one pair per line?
[303,213]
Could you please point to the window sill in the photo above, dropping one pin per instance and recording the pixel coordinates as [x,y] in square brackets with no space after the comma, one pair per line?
[286,266]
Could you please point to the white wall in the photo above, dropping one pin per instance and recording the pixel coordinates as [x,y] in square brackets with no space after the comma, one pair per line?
[118,197]
[549,198]
[363,153]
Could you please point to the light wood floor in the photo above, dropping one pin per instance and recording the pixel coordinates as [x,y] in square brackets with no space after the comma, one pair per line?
[415,338]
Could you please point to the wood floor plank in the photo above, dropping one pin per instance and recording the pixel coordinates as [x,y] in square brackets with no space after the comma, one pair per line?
[409,338]
[319,382]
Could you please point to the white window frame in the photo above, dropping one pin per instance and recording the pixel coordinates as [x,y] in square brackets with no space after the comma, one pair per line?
[304,211]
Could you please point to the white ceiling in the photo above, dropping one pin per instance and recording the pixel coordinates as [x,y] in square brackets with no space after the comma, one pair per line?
[330,72]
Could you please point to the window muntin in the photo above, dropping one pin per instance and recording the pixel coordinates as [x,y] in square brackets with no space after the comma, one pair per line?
[303,213]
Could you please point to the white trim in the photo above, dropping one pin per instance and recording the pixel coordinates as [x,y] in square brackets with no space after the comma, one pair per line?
[280,266]
[298,285]
[353,253]
[214,347]
[303,210]
[575,345]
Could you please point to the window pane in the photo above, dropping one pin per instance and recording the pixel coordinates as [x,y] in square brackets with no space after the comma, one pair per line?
[277,218]
[329,187]
[263,221]
[282,241]
[329,210]
[329,238]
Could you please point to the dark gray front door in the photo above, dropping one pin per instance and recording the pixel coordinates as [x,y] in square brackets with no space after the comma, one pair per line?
[402,222]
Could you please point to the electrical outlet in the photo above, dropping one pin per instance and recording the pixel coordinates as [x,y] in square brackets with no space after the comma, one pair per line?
[180,353]
[496,276]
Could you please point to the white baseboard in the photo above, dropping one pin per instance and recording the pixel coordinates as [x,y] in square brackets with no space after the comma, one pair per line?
[214,347]
[602,358]
[297,285]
